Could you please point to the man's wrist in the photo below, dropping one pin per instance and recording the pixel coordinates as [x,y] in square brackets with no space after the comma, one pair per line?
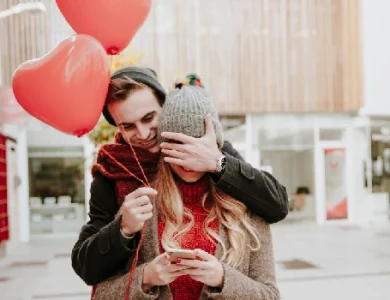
[220,165]
[214,162]
[127,236]
[126,233]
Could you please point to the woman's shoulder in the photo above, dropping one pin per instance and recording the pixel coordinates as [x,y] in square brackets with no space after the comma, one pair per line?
[259,224]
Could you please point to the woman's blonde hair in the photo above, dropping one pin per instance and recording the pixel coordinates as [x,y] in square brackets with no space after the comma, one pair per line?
[232,214]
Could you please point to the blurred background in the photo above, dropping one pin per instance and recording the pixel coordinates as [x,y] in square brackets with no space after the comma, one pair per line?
[302,87]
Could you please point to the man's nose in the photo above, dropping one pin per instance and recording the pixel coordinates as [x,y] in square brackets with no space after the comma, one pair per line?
[143,132]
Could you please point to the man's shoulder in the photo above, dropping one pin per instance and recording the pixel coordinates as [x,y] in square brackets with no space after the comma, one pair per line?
[227,146]
[99,180]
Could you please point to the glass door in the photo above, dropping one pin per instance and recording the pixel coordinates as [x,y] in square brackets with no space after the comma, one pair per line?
[335,182]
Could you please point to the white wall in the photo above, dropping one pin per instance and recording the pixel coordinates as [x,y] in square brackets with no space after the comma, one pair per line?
[292,168]
[358,195]
[42,135]
[89,156]
[375,24]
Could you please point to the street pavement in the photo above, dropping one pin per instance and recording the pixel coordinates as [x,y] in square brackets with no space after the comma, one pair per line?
[329,262]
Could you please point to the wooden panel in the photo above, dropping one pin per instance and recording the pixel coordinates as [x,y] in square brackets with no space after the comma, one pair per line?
[22,37]
[261,55]
[253,55]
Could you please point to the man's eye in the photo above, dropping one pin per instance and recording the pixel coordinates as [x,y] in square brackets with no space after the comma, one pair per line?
[127,127]
[148,119]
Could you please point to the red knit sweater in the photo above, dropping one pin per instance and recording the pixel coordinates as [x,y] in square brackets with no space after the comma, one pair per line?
[185,287]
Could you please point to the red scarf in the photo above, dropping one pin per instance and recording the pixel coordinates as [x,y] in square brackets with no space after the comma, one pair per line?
[115,158]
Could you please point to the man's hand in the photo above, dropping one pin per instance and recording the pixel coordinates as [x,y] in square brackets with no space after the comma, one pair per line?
[136,210]
[197,154]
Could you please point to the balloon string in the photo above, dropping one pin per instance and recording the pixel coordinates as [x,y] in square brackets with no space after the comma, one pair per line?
[123,167]
[135,260]
[145,183]
[125,137]
[111,61]
[134,264]
[139,164]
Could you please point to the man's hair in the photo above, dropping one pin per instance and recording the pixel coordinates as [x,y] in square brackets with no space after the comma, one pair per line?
[121,88]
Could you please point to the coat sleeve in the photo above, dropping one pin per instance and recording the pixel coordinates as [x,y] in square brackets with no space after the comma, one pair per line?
[115,287]
[260,284]
[258,190]
[101,249]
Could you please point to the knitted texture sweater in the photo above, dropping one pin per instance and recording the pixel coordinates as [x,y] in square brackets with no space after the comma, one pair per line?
[184,287]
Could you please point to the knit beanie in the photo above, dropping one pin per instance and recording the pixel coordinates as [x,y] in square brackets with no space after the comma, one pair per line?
[142,75]
[185,109]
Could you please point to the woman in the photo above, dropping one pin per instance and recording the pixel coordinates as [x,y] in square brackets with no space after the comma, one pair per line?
[233,246]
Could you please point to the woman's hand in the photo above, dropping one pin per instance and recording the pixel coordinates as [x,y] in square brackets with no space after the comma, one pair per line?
[208,269]
[161,272]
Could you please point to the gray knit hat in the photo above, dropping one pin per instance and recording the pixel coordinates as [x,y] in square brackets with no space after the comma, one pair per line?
[139,74]
[185,109]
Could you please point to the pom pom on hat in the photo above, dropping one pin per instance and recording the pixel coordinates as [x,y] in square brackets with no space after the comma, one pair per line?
[185,109]
[191,79]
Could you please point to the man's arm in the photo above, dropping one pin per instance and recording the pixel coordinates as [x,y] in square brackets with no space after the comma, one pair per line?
[257,189]
[101,248]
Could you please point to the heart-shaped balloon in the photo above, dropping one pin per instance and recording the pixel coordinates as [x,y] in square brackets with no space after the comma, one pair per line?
[112,22]
[66,88]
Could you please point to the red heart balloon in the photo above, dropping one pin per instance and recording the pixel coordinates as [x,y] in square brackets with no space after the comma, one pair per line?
[66,88]
[113,22]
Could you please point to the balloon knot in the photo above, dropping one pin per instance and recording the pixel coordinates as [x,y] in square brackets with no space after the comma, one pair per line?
[113,50]
[80,133]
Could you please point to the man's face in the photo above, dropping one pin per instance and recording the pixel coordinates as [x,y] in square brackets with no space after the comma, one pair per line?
[137,118]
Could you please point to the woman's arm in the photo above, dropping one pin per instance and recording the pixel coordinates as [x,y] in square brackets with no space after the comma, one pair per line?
[115,287]
[260,284]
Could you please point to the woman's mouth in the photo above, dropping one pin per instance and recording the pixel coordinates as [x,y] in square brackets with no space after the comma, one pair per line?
[188,170]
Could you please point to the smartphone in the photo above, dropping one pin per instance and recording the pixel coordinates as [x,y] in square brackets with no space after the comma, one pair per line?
[174,254]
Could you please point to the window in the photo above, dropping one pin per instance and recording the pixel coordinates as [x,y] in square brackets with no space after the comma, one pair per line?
[55,177]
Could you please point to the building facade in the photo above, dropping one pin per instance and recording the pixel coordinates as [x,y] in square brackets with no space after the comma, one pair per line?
[298,85]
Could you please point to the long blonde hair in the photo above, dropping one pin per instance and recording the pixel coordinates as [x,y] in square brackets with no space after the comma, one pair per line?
[232,214]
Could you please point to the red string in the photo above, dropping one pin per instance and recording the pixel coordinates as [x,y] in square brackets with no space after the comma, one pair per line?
[123,131]
[93,292]
[139,164]
[135,260]
[145,183]
[125,169]
[134,264]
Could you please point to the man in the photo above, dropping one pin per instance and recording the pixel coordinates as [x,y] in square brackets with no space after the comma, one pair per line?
[134,102]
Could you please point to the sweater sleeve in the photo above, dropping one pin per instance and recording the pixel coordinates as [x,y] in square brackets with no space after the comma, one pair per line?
[258,190]
[260,284]
[115,287]
[101,249]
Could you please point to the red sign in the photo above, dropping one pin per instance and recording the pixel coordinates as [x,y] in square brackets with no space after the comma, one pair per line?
[335,184]
[10,110]
[4,229]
